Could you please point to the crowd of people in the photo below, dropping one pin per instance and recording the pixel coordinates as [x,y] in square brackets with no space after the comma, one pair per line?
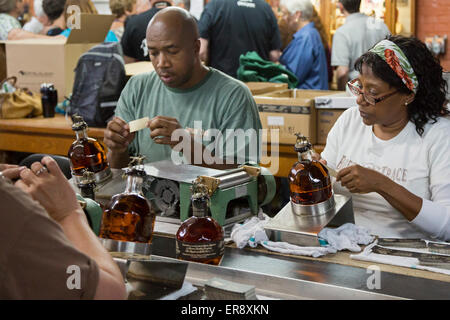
[392,153]
[294,37]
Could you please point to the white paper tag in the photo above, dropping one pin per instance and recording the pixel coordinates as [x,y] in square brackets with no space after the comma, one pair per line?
[138,124]
[275,121]
[332,172]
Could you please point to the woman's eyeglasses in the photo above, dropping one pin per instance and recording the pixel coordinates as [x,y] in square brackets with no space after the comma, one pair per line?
[356,89]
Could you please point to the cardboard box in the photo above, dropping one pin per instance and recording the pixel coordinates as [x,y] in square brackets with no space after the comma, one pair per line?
[341,100]
[325,121]
[329,108]
[37,61]
[258,88]
[289,111]
[134,68]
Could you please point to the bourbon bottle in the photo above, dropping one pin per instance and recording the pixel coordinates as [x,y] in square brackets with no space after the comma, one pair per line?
[87,154]
[309,180]
[129,216]
[200,238]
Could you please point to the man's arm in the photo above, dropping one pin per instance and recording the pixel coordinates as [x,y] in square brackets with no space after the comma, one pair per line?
[342,77]
[19,34]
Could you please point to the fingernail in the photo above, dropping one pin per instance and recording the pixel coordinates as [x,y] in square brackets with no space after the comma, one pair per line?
[22,168]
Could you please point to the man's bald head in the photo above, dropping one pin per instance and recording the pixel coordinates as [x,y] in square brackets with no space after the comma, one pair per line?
[176,20]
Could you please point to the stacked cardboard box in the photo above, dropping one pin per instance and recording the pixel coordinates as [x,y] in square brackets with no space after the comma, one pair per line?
[37,61]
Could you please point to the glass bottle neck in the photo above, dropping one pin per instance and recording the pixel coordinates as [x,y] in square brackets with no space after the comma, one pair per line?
[305,156]
[199,208]
[134,185]
[81,134]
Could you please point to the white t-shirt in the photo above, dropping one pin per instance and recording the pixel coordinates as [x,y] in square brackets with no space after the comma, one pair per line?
[421,164]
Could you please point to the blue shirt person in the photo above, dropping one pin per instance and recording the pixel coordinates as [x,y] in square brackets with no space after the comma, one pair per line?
[305,57]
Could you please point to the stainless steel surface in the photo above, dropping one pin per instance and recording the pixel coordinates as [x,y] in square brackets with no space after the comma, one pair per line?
[158,270]
[317,209]
[182,173]
[271,286]
[126,246]
[338,275]
[303,230]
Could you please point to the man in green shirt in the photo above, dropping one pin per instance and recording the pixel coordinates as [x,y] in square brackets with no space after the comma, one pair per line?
[187,103]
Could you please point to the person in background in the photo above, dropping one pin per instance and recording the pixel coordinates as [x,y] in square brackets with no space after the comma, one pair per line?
[121,9]
[324,38]
[182,95]
[305,55]
[54,10]
[133,40]
[10,10]
[392,152]
[358,34]
[37,22]
[185,4]
[47,240]
[230,28]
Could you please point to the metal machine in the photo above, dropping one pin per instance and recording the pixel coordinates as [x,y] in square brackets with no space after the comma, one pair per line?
[235,194]
[302,227]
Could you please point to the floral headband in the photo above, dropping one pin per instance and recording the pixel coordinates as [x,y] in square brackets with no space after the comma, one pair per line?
[397,60]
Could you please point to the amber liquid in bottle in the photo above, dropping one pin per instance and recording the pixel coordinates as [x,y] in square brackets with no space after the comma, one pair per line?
[200,238]
[309,181]
[129,216]
[87,154]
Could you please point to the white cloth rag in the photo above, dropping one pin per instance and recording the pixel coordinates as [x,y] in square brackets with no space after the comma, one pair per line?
[347,236]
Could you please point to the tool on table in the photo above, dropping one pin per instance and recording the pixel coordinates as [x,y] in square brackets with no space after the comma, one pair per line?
[432,246]
[220,289]
[428,259]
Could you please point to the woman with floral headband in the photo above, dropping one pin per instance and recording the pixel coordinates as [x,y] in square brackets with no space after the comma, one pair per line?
[392,153]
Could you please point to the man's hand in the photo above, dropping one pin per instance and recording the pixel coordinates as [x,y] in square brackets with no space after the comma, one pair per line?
[11,171]
[47,185]
[162,128]
[358,179]
[117,135]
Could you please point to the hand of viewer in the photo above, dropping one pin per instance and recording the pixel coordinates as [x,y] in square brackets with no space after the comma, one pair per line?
[117,135]
[47,185]
[10,171]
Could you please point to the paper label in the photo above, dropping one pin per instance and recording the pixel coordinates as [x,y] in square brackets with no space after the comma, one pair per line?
[275,121]
[199,250]
[139,124]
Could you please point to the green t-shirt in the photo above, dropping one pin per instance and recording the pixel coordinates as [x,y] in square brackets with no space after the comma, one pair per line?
[219,102]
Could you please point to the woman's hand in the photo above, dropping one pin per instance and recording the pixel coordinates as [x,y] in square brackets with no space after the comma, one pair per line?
[358,179]
[47,185]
